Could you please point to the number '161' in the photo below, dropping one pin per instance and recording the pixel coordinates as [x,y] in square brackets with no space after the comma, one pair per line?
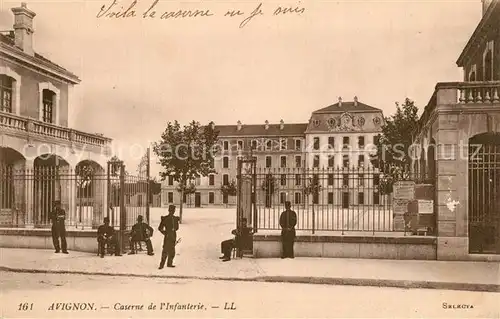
[25,306]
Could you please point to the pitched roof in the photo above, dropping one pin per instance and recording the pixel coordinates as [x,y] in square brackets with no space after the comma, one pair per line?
[347,107]
[294,129]
[38,58]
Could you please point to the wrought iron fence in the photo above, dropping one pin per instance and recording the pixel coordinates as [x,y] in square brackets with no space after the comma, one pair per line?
[87,194]
[329,199]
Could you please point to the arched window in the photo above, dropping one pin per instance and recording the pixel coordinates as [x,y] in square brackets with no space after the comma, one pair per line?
[48,105]
[6,88]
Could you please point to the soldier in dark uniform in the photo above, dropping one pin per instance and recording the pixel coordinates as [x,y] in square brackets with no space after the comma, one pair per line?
[141,232]
[106,235]
[241,235]
[58,228]
[288,220]
[168,227]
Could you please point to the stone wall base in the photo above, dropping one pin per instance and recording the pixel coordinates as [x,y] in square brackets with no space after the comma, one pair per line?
[77,240]
[457,248]
[402,248]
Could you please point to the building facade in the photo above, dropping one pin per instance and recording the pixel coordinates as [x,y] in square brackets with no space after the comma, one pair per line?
[35,138]
[336,137]
[459,139]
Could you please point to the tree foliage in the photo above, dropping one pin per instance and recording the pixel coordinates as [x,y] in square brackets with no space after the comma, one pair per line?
[229,189]
[392,155]
[186,153]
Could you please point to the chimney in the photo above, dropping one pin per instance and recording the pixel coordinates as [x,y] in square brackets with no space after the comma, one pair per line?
[239,125]
[23,28]
[486,4]
[355,101]
[282,125]
[340,101]
[267,124]
[212,125]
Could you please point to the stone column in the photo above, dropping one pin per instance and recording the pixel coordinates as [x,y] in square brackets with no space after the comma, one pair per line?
[29,195]
[451,190]
[98,196]
[68,194]
[19,188]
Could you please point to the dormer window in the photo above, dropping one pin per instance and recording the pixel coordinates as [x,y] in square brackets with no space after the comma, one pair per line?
[6,93]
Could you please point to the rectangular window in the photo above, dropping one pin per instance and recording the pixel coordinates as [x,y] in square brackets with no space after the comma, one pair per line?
[240,145]
[269,145]
[345,141]
[283,144]
[316,143]
[298,145]
[297,179]
[226,145]
[48,103]
[376,198]
[6,93]
[330,179]
[315,198]
[330,198]
[298,161]
[376,139]
[361,198]
[170,180]
[376,180]
[283,179]
[225,162]
[225,199]
[211,197]
[345,200]
[254,144]
[331,161]
[361,161]
[269,161]
[361,180]
[184,198]
[345,161]
[225,179]
[345,180]
[170,197]
[282,198]
[331,142]
[316,161]
[297,198]
[211,180]
[361,142]
[283,161]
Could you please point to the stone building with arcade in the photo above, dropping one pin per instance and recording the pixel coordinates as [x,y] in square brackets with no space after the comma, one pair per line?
[39,152]
[459,148]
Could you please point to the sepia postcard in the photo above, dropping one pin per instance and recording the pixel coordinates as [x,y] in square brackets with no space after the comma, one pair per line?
[249,159]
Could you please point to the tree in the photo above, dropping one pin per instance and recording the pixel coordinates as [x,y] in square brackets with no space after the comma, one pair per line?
[229,189]
[312,187]
[392,147]
[186,153]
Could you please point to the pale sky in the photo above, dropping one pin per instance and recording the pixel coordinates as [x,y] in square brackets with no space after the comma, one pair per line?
[138,74]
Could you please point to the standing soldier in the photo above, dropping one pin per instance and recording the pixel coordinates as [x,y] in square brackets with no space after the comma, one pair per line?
[58,228]
[288,220]
[168,227]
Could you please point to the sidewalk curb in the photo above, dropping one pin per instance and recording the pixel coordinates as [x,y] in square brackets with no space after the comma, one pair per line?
[408,284]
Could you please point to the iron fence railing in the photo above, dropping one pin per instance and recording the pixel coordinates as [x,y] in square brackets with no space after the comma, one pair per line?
[87,195]
[329,199]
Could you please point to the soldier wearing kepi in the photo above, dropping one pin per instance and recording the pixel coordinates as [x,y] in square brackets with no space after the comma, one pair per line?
[58,228]
[168,227]
[288,220]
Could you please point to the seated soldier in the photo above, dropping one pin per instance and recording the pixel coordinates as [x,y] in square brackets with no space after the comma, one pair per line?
[141,232]
[240,236]
[106,236]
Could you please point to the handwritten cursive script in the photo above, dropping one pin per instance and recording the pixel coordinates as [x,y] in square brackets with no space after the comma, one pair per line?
[116,11]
